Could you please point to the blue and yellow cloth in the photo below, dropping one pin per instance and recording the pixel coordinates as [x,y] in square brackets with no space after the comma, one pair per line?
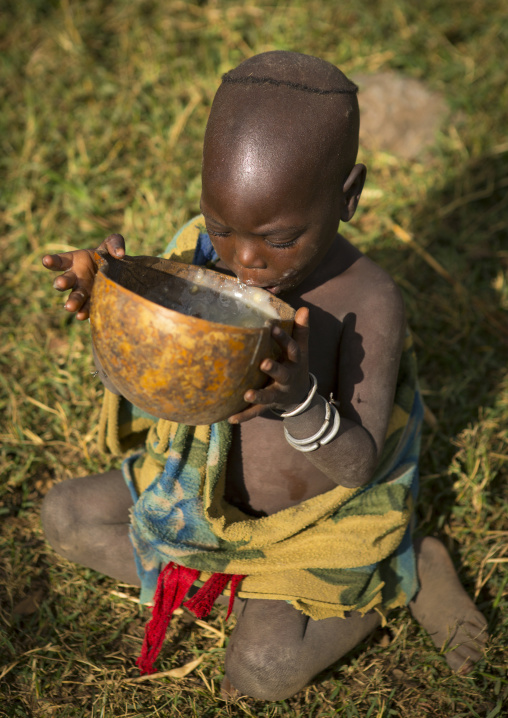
[344,550]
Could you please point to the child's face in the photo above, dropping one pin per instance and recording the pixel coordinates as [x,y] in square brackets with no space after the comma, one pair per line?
[270,233]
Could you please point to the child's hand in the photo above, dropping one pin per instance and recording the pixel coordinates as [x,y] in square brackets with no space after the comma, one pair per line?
[290,375]
[79,272]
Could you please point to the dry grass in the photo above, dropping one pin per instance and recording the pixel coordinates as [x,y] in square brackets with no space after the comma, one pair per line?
[103,112]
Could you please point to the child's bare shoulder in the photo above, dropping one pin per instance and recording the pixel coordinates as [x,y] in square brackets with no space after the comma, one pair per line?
[378,291]
[356,285]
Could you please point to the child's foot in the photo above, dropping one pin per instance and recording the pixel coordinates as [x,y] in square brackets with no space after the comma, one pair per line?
[228,691]
[445,610]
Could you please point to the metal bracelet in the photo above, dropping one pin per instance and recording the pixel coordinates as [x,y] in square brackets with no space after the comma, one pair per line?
[335,428]
[305,449]
[304,405]
[318,434]
[307,445]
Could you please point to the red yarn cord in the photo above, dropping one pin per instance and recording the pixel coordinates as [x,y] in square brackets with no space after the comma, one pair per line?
[235,580]
[201,603]
[172,586]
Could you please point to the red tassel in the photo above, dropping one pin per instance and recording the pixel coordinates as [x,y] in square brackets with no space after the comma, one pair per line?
[234,583]
[201,603]
[172,586]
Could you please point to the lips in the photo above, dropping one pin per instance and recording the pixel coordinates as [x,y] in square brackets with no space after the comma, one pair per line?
[272,289]
[285,282]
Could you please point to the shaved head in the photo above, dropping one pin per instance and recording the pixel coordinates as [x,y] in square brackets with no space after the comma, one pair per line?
[282,117]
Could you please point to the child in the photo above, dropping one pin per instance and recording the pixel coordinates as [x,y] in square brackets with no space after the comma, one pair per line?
[310,514]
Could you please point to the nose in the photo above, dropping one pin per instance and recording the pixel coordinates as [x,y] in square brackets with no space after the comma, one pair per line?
[248,253]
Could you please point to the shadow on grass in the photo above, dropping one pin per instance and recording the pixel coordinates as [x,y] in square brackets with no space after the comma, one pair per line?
[460,326]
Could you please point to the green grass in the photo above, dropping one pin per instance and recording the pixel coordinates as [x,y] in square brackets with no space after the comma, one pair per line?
[103,111]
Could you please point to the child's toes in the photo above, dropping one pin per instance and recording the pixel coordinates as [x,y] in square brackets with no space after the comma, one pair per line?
[228,691]
[468,644]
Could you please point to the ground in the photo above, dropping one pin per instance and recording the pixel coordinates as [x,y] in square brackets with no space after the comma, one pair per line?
[101,129]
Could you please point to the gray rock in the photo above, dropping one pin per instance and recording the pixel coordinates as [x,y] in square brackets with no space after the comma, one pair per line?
[398,114]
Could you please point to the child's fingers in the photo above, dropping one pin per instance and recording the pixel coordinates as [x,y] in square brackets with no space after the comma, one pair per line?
[276,371]
[277,394]
[301,328]
[297,344]
[65,281]
[287,343]
[115,244]
[302,317]
[260,396]
[84,312]
[57,262]
[250,413]
[76,300]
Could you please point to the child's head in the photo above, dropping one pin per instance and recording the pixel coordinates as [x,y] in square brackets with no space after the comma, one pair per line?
[279,167]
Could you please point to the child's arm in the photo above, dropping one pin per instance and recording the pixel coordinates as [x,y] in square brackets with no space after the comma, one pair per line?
[79,273]
[369,357]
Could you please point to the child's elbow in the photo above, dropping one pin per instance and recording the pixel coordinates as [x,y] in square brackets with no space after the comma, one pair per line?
[361,467]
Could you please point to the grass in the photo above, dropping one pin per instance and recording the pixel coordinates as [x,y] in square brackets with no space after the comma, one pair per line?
[103,111]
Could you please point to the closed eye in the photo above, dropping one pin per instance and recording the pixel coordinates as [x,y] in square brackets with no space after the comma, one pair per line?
[282,245]
[218,234]
[277,245]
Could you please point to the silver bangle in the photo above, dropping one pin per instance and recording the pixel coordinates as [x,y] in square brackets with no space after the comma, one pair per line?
[304,449]
[310,444]
[335,428]
[318,434]
[304,405]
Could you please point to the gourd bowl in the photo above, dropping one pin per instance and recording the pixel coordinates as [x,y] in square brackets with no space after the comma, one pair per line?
[182,342]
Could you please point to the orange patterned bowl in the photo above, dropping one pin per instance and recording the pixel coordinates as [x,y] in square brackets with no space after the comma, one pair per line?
[179,341]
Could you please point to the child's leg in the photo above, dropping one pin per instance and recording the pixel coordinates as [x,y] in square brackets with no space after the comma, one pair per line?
[275,650]
[86,520]
[445,610]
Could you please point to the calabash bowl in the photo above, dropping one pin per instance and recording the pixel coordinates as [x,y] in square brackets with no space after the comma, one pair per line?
[173,365]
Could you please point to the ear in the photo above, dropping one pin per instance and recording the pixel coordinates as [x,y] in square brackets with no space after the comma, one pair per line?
[351,192]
